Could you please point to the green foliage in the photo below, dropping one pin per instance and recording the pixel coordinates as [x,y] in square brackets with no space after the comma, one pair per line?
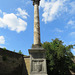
[59,57]
[4,48]
[20,52]
[14,50]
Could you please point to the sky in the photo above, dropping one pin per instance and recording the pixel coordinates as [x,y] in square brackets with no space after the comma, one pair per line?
[57,20]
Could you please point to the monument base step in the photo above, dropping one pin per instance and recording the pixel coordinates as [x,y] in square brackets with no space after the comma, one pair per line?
[38,74]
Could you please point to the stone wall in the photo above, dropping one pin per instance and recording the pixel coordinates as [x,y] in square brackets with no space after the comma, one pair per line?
[12,63]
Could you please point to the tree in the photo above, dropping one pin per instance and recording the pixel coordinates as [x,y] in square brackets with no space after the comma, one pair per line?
[4,48]
[14,50]
[59,57]
[20,52]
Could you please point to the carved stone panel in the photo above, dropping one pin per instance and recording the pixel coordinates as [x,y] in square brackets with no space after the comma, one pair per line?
[37,65]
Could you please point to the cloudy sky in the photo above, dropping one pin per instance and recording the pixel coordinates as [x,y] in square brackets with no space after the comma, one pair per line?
[57,20]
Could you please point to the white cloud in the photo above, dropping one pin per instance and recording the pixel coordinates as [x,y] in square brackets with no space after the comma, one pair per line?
[58,30]
[28,2]
[13,22]
[72,7]
[0,11]
[72,34]
[74,49]
[2,40]
[52,9]
[72,42]
[71,24]
[22,13]
[2,47]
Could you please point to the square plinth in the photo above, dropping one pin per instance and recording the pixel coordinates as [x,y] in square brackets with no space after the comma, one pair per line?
[37,61]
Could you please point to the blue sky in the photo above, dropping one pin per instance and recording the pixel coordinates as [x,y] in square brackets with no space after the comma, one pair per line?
[57,20]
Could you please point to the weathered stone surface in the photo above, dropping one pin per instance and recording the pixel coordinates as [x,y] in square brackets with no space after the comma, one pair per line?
[38,61]
[27,63]
[37,53]
[12,63]
[36,25]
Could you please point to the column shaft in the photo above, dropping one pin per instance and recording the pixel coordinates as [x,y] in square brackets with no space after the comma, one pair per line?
[36,25]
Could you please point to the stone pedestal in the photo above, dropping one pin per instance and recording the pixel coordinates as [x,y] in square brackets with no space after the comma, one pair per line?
[37,61]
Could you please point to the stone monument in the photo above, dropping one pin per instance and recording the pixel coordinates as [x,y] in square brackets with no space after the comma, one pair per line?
[37,53]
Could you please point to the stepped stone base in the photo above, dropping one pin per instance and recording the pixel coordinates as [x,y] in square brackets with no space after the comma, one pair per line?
[37,61]
[38,74]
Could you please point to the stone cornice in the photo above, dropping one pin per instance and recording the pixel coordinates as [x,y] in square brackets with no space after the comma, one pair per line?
[36,2]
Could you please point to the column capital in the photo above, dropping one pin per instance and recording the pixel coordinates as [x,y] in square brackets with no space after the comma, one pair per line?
[36,2]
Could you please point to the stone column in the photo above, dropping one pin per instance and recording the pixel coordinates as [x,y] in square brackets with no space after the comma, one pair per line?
[36,23]
[37,53]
